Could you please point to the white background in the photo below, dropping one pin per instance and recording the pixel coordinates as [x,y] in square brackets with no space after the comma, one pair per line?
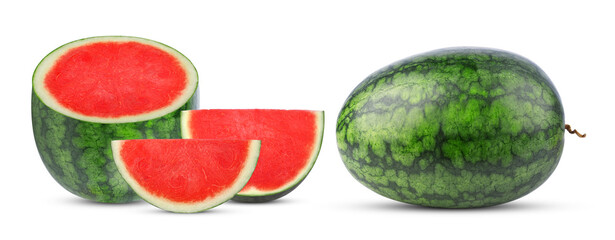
[310,55]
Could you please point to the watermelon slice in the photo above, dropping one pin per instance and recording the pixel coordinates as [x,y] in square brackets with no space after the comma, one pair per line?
[94,90]
[290,141]
[186,175]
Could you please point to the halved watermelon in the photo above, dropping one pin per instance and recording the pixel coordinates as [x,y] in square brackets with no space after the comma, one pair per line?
[290,141]
[94,90]
[186,175]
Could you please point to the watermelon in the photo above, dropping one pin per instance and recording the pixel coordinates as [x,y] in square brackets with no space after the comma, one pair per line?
[290,139]
[186,175]
[458,127]
[94,90]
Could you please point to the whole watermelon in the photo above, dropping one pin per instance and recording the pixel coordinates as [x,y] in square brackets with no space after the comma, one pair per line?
[453,128]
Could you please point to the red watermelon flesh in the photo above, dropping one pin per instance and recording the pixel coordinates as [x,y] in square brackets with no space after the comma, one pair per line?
[95,71]
[115,79]
[290,141]
[186,175]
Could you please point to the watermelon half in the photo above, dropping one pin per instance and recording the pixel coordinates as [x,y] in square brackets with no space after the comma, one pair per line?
[186,175]
[94,90]
[290,139]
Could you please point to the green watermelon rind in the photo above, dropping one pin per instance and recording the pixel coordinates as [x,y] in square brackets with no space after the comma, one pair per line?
[193,207]
[266,196]
[434,164]
[77,153]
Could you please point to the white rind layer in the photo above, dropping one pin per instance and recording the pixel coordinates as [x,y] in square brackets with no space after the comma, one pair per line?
[168,205]
[48,62]
[185,125]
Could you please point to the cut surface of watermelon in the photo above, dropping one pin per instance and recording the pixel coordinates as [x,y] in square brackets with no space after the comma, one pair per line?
[114,79]
[186,175]
[290,139]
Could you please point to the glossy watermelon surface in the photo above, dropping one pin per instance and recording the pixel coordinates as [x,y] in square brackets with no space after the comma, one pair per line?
[453,128]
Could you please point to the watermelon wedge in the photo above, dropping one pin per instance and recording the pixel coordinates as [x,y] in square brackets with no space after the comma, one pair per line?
[290,139]
[94,90]
[186,175]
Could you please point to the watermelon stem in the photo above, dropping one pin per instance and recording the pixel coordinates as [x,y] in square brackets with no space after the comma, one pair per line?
[574,131]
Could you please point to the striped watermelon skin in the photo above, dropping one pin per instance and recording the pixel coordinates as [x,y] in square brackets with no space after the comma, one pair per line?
[453,128]
[78,153]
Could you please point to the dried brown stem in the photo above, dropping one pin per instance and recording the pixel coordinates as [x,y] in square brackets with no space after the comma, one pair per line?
[574,131]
